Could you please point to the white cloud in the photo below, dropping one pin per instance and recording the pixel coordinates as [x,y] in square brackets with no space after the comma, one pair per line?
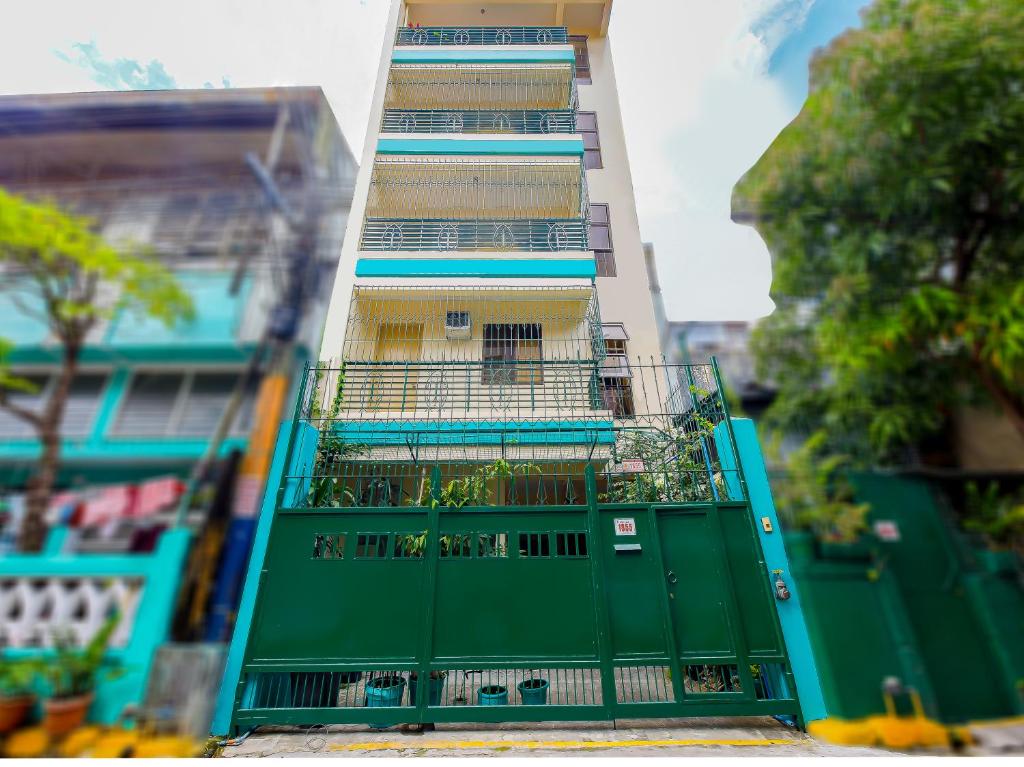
[693,130]
[698,106]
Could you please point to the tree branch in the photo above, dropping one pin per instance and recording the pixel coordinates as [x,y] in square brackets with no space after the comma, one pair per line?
[17,410]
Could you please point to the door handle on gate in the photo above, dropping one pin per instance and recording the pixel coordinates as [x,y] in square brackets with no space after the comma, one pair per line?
[672,577]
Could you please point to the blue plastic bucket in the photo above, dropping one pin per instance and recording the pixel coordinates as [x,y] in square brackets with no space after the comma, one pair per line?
[534,692]
[492,695]
[434,695]
[385,691]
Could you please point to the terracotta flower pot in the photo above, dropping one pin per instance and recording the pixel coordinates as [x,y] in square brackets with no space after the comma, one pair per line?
[62,715]
[13,710]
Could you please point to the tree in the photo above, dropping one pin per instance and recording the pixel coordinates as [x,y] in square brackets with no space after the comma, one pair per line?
[892,206]
[54,268]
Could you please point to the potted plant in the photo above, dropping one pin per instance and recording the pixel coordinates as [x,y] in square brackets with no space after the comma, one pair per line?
[436,687]
[16,695]
[71,673]
[999,519]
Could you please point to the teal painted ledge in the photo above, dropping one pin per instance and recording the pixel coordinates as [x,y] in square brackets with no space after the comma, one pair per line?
[86,451]
[539,55]
[570,146]
[476,267]
[413,433]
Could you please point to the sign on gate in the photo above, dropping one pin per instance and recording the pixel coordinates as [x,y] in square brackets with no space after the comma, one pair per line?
[625,526]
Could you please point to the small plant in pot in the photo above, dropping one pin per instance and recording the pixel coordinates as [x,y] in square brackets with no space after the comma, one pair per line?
[71,673]
[16,693]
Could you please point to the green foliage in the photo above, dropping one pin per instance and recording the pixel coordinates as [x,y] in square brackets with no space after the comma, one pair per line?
[997,515]
[73,671]
[55,269]
[676,468]
[817,495]
[16,676]
[893,208]
[473,489]
[53,260]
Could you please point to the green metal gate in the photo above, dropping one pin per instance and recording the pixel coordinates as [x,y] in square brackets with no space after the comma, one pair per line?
[623,610]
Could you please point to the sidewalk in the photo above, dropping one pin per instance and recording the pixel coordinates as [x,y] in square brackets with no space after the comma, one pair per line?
[655,737]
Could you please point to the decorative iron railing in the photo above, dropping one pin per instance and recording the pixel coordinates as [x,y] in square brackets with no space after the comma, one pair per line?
[445,235]
[520,433]
[518,121]
[482,36]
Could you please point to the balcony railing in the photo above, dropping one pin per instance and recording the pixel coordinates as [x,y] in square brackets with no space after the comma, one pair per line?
[520,121]
[444,235]
[384,430]
[482,36]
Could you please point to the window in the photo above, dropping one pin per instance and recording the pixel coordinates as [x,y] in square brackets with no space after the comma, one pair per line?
[586,125]
[616,387]
[180,404]
[601,239]
[579,45]
[79,410]
[617,396]
[512,354]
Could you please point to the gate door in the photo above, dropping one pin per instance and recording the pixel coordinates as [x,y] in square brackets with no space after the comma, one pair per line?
[542,613]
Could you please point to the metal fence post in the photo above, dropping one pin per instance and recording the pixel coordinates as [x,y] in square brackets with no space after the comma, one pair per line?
[604,649]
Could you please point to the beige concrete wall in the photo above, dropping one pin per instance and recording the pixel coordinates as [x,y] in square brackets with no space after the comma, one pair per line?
[627,297]
[334,328]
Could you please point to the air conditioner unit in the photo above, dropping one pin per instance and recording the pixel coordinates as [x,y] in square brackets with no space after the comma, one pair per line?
[457,325]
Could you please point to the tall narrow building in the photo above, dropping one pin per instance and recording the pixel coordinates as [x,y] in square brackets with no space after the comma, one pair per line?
[493,483]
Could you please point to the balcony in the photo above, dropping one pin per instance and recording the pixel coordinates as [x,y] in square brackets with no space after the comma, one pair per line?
[529,440]
[523,122]
[482,36]
[481,87]
[472,205]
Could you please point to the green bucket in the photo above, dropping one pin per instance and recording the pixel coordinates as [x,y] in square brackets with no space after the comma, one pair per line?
[534,692]
[492,695]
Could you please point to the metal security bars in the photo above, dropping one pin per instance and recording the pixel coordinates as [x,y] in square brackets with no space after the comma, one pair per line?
[428,324]
[482,36]
[542,235]
[512,432]
[480,87]
[459,189]
[488,121]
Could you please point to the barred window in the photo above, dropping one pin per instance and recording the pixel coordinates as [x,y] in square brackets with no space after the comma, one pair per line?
[512,354]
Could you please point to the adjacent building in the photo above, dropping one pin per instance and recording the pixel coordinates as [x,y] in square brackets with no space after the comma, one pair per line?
[244,195]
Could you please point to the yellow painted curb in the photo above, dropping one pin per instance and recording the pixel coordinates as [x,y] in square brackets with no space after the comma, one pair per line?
[406,745]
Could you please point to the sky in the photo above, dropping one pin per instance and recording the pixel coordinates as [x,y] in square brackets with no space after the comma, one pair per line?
[729,75]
